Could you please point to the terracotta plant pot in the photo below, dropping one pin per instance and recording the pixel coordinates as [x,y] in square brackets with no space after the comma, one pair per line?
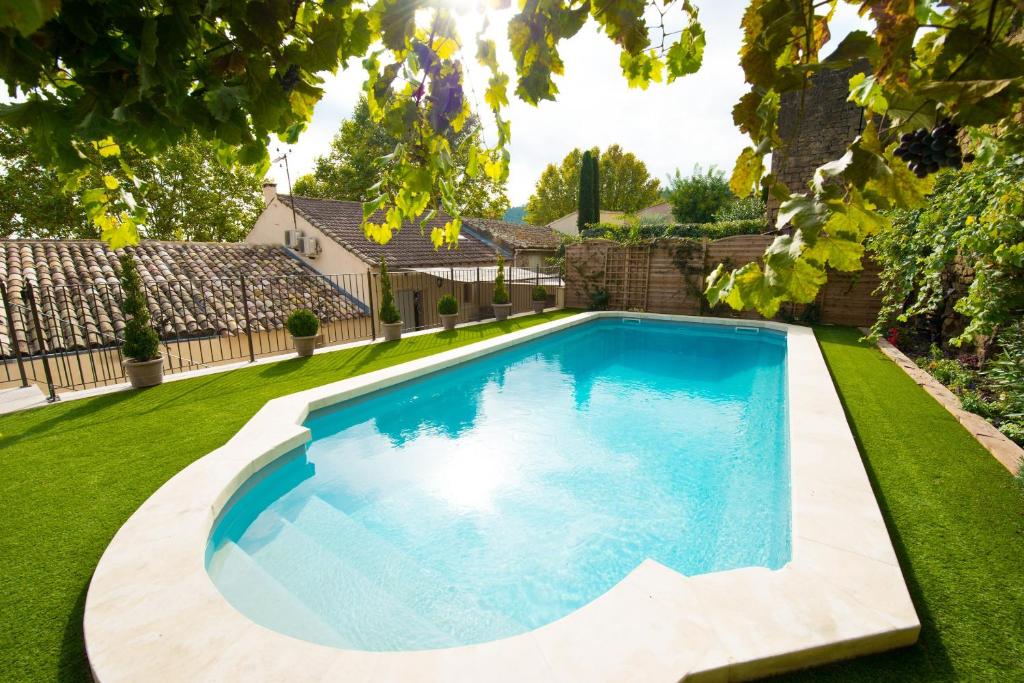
[304,345]
[501,311]
[449,320]
[538,306]
[147,373]
[392,331]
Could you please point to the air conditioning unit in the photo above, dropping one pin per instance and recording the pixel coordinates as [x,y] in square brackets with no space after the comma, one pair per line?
[293,239]
[311,247]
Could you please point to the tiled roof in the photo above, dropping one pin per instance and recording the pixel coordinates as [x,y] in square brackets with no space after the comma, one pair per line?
[515,235]
[409,247]
[194,289]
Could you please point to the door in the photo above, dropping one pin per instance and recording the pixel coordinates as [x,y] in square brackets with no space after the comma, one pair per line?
[406,301]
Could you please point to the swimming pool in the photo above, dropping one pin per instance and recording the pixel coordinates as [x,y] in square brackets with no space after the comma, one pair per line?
[153,612]
[495,497]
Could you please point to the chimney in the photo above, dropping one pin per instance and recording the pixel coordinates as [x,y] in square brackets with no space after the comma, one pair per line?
[269,191]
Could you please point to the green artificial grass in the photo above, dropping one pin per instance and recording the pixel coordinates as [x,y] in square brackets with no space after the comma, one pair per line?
[956,519]
[72,473]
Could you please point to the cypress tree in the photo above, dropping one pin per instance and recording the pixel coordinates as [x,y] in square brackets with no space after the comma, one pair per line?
[585,196]
[595,173]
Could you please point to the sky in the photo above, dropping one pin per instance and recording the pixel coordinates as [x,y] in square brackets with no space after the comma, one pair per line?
[668,126]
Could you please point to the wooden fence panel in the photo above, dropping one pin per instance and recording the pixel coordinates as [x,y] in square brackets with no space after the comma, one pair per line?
[675,274]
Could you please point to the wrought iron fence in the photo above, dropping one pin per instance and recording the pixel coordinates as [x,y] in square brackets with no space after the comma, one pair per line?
[70,336]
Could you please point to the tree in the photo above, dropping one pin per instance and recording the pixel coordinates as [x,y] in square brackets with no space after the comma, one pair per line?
[556,194]
[192,196]
[351,168]
[33,203]
[624,185]
[141,342]
[699,197]
[188,193]
[941,76]
[108,76]
[98,78]
[587,212]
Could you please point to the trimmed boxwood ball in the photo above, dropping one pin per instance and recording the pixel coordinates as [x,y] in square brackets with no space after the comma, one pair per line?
[539,293]
[447,305]
[302,323]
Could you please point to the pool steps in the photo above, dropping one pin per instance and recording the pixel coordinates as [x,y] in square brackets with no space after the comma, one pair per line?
[288,597]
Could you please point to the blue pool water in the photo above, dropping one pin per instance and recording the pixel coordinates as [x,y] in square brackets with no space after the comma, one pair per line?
[500,495]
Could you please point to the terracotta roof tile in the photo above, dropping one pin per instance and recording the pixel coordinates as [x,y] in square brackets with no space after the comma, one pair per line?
[409,247]
[515,235]
[194,289]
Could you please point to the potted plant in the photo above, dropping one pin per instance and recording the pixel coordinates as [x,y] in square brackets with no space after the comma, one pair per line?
[500,300]
[448,309]
[303,326]
[539,297]
[390,319]
[143,362]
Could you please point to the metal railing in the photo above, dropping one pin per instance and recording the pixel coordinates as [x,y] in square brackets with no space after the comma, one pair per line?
[69,336]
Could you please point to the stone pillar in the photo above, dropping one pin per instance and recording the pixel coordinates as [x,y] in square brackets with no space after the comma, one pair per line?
[816,126]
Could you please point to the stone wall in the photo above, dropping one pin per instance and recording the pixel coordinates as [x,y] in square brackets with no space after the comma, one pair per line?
[816,127]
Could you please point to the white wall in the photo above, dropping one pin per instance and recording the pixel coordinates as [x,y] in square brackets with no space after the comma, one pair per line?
[567,224]
[334,259]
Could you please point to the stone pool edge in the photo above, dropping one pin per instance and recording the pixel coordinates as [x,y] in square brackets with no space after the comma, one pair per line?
[153,613]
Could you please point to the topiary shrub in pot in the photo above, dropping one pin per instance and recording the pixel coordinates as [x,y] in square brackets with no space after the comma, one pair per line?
[303,325]
[390,318]
[500,300]
[539,297]
[143,362]
[448,309]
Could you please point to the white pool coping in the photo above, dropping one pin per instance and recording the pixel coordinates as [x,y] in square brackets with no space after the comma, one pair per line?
[153,614]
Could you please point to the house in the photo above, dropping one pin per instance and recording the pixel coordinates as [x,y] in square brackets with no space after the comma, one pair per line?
[338,244]
[327,234]
[567,223]
[202,298]
[530,246]
[662,211]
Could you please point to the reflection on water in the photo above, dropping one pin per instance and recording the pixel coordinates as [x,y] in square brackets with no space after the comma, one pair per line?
[500,495]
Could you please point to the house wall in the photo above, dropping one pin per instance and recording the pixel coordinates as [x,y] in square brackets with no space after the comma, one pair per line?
[334,259]
[662,211]
[567,224]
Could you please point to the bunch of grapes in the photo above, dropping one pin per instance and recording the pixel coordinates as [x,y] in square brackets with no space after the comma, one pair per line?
[927,151]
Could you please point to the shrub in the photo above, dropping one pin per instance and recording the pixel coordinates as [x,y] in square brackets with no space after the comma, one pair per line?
[447,305]
[719,229]
[388,312]
[599,300]
[947,370]
[500,291]
[698,198]
[302,323]
[539,293]
[141,342]
[750,208]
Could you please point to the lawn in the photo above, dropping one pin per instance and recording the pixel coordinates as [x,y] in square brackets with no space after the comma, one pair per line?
[73,473]
[956,518]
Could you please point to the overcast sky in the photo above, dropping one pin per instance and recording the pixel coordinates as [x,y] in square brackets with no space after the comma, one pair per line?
[667,126]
